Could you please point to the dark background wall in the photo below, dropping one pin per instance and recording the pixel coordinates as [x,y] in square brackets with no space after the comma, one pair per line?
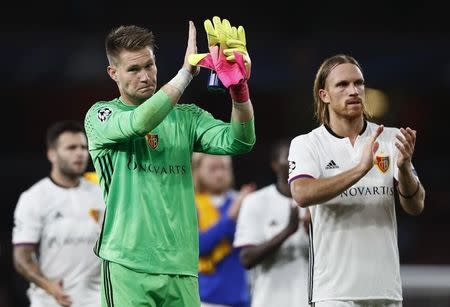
[53,67]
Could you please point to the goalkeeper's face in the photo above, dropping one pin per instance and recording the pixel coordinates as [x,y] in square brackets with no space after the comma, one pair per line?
[135,74]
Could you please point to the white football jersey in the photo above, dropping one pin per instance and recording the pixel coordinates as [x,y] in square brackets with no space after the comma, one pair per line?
[66,223]
[280,280]
[354,252]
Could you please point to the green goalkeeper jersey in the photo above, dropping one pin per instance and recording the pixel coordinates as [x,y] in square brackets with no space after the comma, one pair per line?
[150,223]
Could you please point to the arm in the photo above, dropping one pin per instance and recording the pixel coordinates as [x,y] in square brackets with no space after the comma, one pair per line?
[209,239]
[311,191]
[251,256]
[410,190]
[121,125]
[25,262]
[226,226]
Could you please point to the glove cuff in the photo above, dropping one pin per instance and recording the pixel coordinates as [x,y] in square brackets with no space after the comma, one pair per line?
[240,92]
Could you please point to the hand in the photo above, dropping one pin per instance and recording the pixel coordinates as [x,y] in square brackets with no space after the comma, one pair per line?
[306,220]
[294,220]
[225,44]
[405,145]
[55,289]
[233,211]
[191,49]
[367,158]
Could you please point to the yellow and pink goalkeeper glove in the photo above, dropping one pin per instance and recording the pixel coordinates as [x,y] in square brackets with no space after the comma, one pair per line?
[228,55]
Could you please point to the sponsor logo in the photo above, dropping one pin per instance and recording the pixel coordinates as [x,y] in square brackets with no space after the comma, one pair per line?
[170,169]
[368,191]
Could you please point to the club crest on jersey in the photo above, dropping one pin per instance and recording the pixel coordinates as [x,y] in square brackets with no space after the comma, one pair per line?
[152,140]
[94,213]
[382,163]
[103,114]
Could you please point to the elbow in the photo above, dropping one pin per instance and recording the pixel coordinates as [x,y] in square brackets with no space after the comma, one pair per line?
[300,199]
[302,202]
[245,260]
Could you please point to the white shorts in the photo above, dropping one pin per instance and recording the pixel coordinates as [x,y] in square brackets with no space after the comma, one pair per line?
[363,303]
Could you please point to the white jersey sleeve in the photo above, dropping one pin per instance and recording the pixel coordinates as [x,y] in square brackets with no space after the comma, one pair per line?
[28,223]
[248,230]
[302,161]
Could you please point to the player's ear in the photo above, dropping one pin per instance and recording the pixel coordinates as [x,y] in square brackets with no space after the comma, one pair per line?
[323,94]
[112,72]
[51,155]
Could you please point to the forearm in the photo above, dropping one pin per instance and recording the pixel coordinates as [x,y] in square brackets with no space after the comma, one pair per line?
[310,191]
[26,264]
[149,114]
[251,256]
[209,238]
[411,192]
[242,111]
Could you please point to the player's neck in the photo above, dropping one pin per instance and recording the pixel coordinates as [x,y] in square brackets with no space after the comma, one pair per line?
[350,128]
[64,181]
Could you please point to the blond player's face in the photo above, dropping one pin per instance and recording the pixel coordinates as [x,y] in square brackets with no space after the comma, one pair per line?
[216,173]
[70,156]
[135,75]
[344,91]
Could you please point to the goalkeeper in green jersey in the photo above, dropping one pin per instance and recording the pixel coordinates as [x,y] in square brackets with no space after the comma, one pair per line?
[141,144]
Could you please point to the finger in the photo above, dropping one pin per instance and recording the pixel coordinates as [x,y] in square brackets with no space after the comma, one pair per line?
[232,43]
[241,34]
[227,29]
[192,34]
[217,24]
[209,28]
[410,135]
[376,133]
[234,32]
[402,150]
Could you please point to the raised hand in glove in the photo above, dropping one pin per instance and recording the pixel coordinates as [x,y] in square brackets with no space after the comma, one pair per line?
[228,54]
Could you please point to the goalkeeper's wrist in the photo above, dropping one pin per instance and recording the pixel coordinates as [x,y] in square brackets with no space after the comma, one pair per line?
[181,80]
[240,92]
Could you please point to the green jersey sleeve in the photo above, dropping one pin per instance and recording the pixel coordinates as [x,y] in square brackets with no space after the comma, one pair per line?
[110,122]
[215,136]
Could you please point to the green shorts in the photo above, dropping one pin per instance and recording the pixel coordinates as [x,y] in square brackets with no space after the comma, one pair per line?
[122,287]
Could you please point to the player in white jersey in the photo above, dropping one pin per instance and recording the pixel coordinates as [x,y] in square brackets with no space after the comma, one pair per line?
[272,235]
[56,224]
[347,172]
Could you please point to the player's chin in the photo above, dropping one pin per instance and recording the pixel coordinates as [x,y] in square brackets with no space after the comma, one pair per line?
[145,93]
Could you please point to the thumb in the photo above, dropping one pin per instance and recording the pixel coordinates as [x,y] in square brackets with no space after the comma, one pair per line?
[375,134]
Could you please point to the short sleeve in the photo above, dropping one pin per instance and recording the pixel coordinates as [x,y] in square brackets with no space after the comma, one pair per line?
[249,223]
[302,159]
[28,222]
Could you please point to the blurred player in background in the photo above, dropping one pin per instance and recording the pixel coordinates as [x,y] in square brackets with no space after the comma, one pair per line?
[222,278]
[56,224]
[141,145]
[272,235]
[347,171]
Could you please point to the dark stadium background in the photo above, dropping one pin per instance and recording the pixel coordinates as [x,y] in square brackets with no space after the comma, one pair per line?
[53,67]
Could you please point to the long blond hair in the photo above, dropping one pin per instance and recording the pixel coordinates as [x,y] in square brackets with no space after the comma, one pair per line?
[321,112]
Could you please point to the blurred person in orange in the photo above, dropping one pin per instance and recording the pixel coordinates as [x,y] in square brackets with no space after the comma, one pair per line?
[222,279]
